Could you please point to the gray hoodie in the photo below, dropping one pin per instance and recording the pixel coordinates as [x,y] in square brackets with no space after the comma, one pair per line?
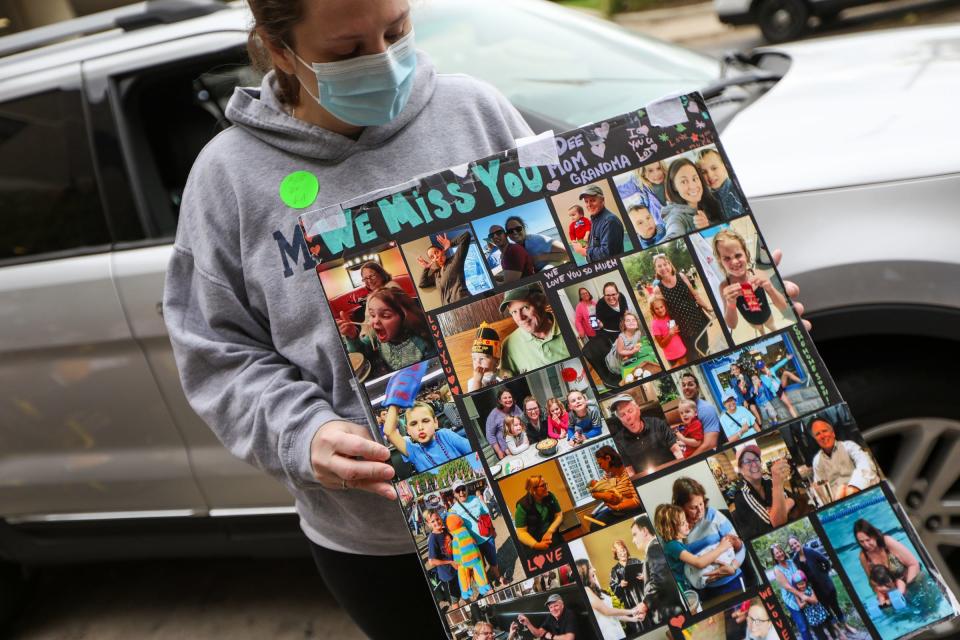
[677,220]
[260,358]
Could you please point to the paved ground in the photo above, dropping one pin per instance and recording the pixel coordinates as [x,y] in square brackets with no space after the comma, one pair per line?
[237,599]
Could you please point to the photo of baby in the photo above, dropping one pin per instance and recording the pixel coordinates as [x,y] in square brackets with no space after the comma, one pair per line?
[879,553]
[741,276]
[595,229]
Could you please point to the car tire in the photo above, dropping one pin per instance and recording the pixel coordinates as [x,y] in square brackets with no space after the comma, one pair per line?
[782,20]
[903,402]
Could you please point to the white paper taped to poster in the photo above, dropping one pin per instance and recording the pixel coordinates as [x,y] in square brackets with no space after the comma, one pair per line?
[538,150]
[666,111]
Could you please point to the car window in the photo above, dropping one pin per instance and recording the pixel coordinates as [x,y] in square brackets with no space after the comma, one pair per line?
[172,112]
[48,192]
[554,61]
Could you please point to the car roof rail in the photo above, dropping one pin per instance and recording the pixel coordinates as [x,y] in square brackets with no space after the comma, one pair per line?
[128,18]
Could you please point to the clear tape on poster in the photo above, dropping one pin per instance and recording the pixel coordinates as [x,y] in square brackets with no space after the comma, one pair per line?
[667,111]
[323,220]
[538,150]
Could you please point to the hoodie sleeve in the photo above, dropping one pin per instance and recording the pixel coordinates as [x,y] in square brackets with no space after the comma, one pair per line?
[255,401]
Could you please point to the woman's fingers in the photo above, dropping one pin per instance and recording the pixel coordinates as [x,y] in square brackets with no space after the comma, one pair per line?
[792,290]
[357,473]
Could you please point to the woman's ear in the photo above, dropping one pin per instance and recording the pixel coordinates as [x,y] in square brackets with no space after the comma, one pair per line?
[281,57]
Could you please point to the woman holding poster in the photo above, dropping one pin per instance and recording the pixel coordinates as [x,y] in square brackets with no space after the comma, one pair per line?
[348,106]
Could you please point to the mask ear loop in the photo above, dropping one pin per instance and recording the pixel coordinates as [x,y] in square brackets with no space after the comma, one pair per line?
[304,63]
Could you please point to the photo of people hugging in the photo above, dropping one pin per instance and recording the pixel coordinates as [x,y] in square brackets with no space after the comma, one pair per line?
[881,557]
[743,280]
[705,551]
[521,241]
[668,199]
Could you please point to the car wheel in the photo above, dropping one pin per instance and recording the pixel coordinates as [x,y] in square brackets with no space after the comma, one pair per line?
[905,408]
[782,20]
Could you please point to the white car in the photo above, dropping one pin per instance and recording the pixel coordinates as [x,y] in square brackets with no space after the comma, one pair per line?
[845,148]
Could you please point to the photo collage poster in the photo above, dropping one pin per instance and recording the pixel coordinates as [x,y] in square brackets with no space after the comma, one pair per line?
[604,415]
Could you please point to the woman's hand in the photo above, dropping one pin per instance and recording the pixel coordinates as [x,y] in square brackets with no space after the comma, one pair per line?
[721,571]
[343,456]
[792,290]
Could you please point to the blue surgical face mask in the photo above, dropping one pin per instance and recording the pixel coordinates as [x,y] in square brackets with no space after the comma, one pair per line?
[367,90]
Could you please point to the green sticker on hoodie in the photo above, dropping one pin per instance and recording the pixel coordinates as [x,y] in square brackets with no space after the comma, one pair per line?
[299,189]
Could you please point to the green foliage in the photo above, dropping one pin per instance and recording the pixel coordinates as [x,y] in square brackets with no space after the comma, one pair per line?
[667,390]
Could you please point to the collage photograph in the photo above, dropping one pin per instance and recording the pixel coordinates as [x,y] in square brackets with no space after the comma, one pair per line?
[836,461]
[459,531]
[879,554]
[568,497]
[527,420]
[761,484]
[741,276]
[520,241]
[670,198]
[502,336]
[613,338]
[705,551]
[763,385]
[447,266]
[675,304]
[374,303]
[631,588]
[808,585]
[594,222]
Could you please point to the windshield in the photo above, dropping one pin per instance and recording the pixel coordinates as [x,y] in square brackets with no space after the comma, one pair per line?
[560,63]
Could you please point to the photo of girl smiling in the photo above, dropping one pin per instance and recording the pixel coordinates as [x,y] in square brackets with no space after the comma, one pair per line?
[749,292]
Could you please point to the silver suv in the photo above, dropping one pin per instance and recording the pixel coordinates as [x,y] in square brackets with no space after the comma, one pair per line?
[101,119]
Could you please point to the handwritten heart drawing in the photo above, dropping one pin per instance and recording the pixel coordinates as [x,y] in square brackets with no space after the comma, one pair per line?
[643,130]
[461,170]
[677,621]
[451,380]
[603,130]
[653,147]
[599,149]
[693,108]
[553,186]
[539,561]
